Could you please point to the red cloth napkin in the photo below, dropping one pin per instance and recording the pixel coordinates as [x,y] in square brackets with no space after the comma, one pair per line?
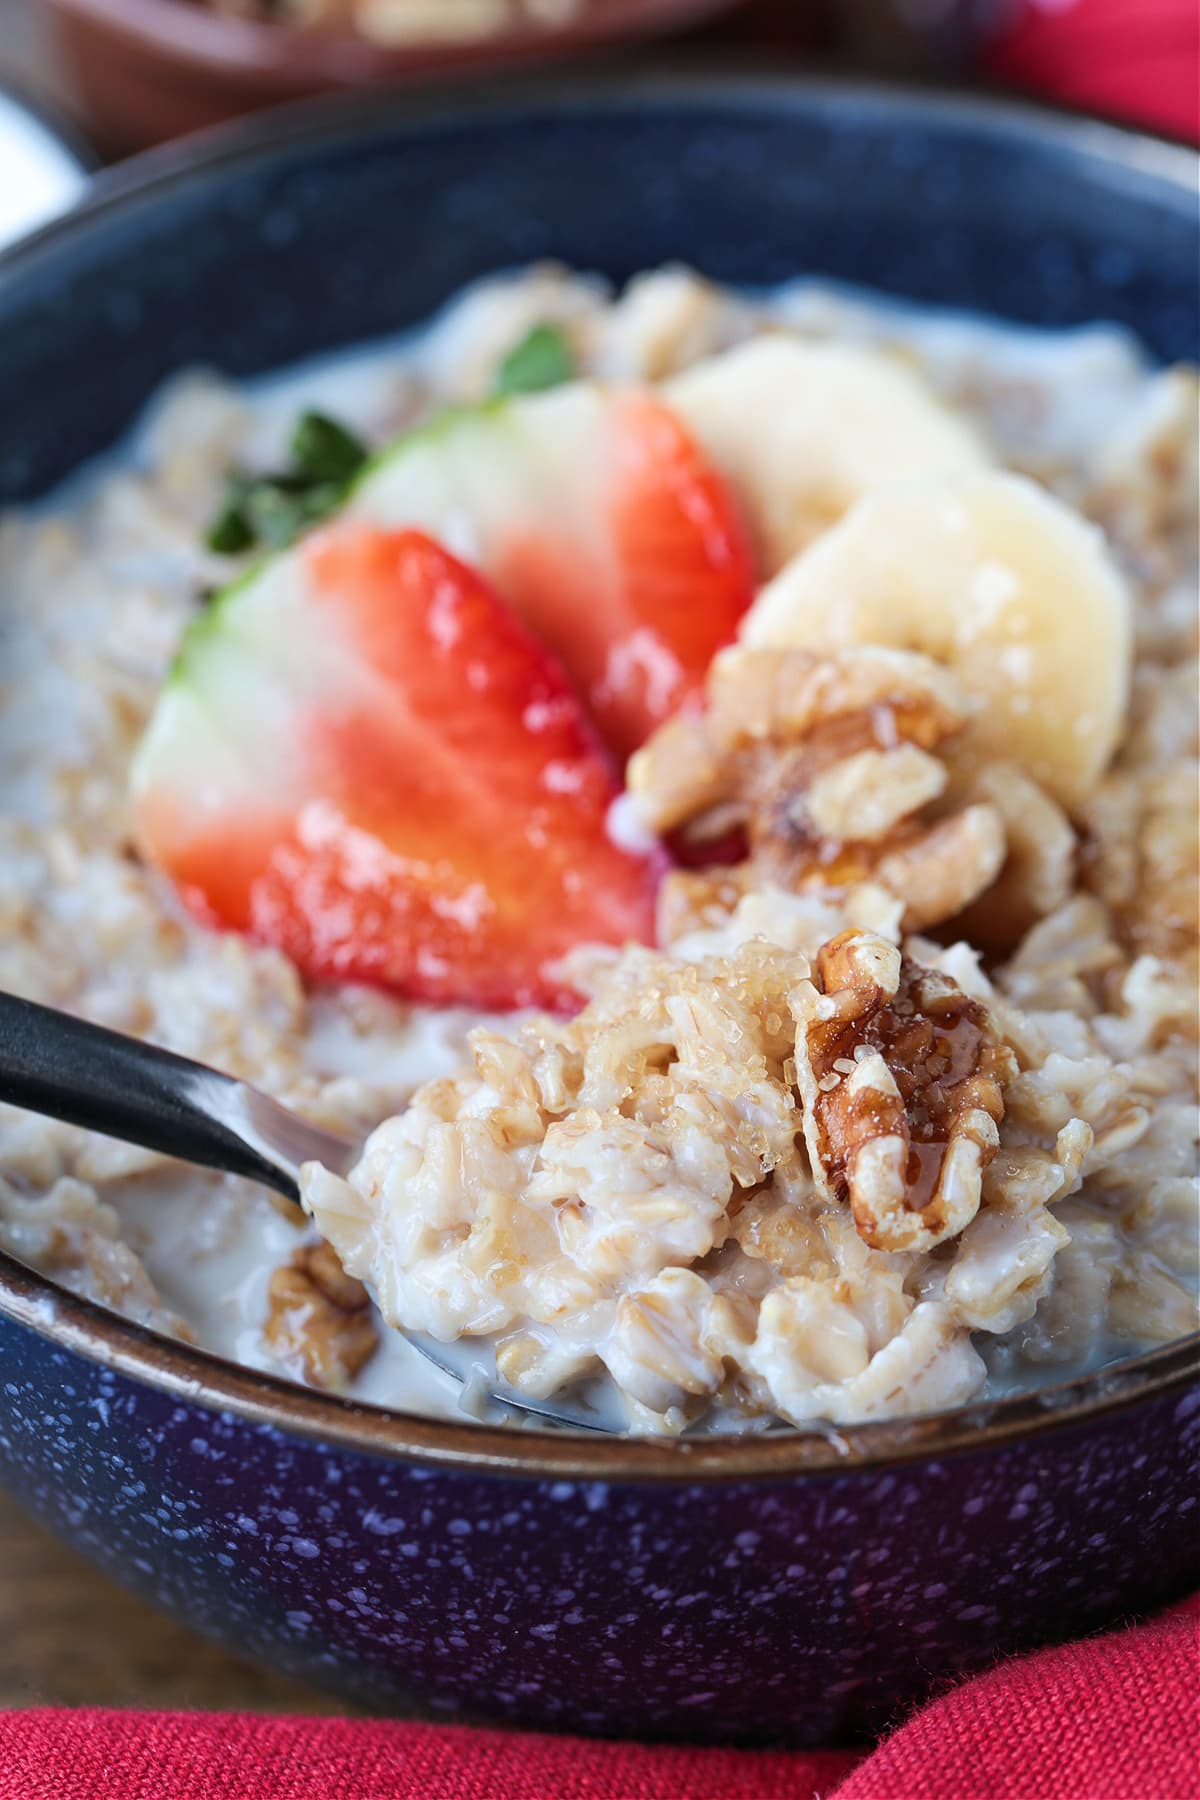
[1113,1718]
[1130,59]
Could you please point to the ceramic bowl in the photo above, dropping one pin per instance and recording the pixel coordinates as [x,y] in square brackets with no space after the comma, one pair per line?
[796,1588]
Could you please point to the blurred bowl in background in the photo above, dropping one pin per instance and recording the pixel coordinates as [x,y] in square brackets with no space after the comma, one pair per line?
[147,70]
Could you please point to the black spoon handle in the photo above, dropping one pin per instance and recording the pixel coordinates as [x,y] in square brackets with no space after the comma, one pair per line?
[53,1063]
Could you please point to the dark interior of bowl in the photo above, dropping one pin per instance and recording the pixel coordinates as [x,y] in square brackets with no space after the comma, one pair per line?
[285,240]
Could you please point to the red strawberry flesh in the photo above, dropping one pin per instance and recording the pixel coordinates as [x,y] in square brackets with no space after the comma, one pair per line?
[437,822]
[636,605]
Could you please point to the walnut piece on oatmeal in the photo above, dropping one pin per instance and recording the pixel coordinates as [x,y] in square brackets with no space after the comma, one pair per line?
[1040,861]
[902,1080]
[319,1321]
[831,766]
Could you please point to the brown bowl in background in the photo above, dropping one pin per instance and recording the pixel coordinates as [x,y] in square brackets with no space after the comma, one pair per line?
[142,71]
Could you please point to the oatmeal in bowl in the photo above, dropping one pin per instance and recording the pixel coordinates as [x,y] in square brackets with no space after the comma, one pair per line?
[704,786]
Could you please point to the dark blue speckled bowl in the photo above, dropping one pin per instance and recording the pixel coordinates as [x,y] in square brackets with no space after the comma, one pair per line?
[791,1588]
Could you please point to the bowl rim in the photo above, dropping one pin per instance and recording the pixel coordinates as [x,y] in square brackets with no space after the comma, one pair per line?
[188,1373]
[1123,154]
[184,1372]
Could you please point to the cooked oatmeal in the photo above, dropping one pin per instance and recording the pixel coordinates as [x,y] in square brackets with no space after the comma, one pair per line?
[902,1107]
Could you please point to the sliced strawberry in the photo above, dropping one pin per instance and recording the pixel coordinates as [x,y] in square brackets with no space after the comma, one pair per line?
[364,758]
[601,521]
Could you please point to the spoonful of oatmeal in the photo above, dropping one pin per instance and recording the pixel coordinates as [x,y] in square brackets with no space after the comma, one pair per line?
[66,1068]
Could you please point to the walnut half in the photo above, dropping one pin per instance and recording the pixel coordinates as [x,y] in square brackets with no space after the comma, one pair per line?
[319,1321]
[901,1076]
[831,767]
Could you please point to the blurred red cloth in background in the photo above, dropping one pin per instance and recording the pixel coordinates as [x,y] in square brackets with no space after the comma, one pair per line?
[1130,59]
[1137,60]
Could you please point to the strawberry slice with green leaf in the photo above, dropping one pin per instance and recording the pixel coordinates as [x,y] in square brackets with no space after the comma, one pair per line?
[364,758]
[600,520]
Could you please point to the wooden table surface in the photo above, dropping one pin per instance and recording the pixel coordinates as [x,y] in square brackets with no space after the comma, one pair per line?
[71,1637]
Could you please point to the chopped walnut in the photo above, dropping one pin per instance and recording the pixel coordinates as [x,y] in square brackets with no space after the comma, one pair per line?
[1039,866]
[828,766]
[902,1079]
[319,1322]
[940,870]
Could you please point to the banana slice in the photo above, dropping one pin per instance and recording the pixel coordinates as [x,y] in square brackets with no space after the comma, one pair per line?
[801,430]
[994,577]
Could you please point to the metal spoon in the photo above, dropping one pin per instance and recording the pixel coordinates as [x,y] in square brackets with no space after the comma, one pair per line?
[65,1068]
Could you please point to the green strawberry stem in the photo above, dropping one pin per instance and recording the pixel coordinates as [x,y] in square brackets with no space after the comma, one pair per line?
[541,360]
[274,509]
